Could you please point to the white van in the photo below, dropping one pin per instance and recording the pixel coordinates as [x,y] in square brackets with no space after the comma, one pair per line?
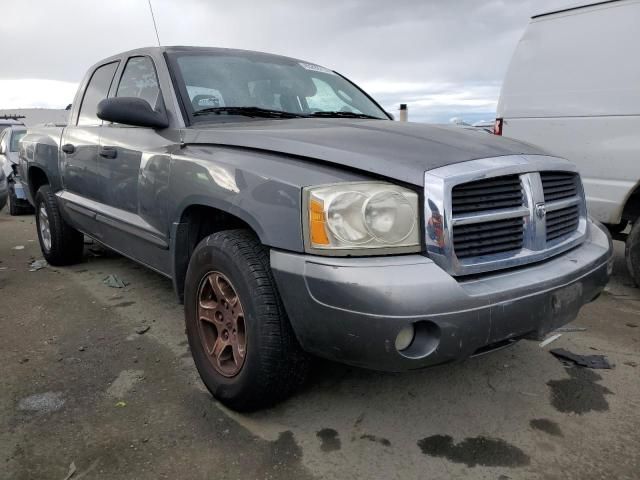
[573,88]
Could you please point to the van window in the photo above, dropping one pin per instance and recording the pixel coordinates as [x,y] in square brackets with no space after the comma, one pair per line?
[139,80]
[97,90]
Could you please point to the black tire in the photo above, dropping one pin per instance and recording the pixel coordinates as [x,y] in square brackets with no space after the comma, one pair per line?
[615,228]
[632,252]
[66,243]
[14,210]
[274,365]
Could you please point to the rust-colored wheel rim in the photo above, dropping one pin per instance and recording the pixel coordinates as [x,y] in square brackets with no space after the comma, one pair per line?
[221,324]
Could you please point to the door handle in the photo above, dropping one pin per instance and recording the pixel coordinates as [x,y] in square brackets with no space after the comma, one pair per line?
[68,148]
[108,152]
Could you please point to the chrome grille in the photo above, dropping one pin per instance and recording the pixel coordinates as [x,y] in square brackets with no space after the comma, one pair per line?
[493,213]
[488,237]
[488,194]
[482,196]
[559,185]
[562,222]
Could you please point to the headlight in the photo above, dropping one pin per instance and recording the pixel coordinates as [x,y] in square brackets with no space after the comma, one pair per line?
[354,218]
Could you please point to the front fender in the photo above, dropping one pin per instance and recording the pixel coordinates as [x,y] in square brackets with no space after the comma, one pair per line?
[263,189]
[229,181]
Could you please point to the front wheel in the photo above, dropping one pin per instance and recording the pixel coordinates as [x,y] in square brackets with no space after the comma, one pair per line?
[240,337]
[632,252]
[61,244]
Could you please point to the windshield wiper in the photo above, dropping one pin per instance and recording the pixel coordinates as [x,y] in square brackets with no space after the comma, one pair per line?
[247,112]
[343,115]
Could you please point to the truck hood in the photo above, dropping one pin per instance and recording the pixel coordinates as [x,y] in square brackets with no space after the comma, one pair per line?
[398,150]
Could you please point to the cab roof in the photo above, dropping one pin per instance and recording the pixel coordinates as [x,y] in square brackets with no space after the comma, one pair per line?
[156,51]
[575,7]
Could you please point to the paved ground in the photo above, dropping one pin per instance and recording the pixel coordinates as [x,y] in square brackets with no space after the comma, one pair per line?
[78,384]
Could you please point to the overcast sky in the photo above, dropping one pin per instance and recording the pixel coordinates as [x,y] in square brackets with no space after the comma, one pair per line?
[444,58]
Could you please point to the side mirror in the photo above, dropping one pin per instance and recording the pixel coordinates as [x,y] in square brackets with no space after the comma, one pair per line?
[131,111]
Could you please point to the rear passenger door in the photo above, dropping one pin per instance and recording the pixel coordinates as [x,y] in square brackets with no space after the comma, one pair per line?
[80,140]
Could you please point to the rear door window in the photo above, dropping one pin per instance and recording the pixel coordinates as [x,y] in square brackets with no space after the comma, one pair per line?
[97,90]
[139,80]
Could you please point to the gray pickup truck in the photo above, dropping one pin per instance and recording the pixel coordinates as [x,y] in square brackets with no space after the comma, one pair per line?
[294,217]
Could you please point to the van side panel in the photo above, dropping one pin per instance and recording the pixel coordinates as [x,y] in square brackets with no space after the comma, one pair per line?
[577,63]
[573,88]
[605,149]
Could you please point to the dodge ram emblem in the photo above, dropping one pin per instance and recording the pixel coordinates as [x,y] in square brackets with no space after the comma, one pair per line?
[541,210]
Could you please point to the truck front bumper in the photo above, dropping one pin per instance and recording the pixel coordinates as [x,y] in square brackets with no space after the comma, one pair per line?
[352,309]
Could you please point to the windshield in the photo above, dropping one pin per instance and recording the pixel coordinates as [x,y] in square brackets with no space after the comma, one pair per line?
[254,84]
[15,140]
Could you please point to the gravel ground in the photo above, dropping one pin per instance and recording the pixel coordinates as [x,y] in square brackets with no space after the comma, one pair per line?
[81,389]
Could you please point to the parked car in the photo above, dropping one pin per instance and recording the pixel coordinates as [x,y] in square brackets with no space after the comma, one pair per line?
[572,89]
[16,193]
[294,217]
[4,190]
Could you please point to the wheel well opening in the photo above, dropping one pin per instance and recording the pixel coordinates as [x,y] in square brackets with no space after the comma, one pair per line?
[37,178]
[631,211]
[196,223]
[203,221]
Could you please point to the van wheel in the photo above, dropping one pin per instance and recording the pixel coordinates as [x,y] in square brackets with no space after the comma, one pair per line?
[615,228]
[240,337]
[60,243]
[632,252]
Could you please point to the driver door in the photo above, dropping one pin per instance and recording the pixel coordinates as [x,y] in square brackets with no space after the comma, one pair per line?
[134,162]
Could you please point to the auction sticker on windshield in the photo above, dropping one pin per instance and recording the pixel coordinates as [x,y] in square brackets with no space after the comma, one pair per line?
[315,68]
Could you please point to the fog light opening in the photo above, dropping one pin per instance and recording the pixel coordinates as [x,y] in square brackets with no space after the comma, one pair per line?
[418,339]
[405,337]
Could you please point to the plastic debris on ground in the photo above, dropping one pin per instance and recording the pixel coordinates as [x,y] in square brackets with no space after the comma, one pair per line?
[72,471]
[588,361]
[37,265]
[142,329]
[18,247]
[114,281]
[550,339]
[571,329]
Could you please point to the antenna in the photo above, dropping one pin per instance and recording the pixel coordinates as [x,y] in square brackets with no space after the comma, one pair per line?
[154,22]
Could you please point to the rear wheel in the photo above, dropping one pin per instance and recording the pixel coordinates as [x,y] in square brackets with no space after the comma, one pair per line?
[61,244]
[13,209]
[242,343]
[632,252]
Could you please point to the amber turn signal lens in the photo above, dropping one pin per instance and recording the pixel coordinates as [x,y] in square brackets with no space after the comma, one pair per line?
[317,225]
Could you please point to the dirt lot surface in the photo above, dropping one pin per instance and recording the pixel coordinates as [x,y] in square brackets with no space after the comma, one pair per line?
[80,386]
